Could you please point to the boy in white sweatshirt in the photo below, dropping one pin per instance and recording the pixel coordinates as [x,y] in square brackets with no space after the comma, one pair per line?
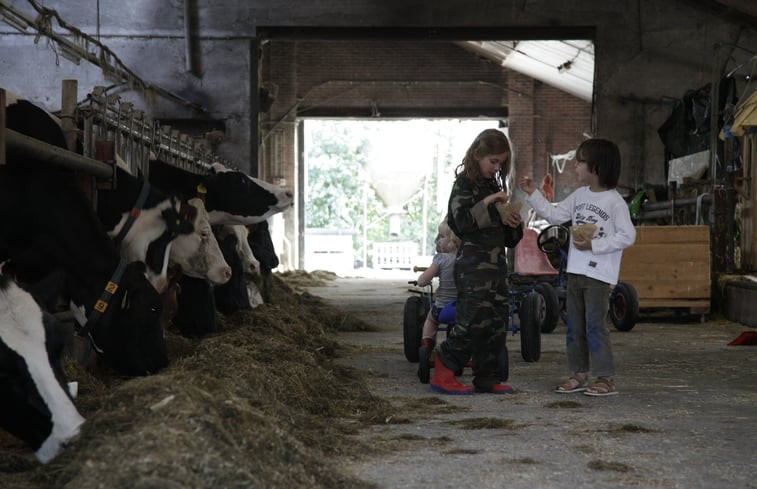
[593,262]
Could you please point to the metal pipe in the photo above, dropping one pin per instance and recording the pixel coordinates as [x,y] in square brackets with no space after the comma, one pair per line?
[188,37]
[18,143]
[658,214]
[665,204]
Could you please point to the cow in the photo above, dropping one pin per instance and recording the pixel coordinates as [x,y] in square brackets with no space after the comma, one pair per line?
[47,223]
[144,225]
[198,254]
[250,264]
[199,300]
[158,222]
[233,295]
[45,214]
[37,406]
[231,196]
[260,242]
[196,315]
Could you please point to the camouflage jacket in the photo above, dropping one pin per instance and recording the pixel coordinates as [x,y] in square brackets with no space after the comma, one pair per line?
[476,223]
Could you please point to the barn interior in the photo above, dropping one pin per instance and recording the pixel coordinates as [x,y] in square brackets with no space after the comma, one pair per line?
[240,82]
[672,83]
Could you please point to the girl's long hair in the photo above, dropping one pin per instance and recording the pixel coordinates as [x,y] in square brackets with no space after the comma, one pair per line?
[488,142]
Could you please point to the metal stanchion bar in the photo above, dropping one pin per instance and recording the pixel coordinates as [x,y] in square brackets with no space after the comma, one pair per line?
[18,143]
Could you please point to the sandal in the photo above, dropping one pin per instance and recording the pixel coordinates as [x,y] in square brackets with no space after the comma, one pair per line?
[601,388]
[578,382]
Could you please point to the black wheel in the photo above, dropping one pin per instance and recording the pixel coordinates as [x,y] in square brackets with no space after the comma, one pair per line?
[551,312]
[413,317]
[624,306]
[424,364]
[530,333]
[503,363]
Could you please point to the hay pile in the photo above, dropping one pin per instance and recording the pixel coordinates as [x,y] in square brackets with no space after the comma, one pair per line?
[260,404]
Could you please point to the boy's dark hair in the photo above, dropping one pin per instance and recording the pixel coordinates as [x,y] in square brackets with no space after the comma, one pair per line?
[603,158]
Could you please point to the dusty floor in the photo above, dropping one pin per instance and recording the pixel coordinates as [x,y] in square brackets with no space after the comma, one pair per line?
[686,416]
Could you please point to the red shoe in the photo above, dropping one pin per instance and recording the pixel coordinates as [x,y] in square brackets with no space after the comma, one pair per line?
[498,389]
[444,381]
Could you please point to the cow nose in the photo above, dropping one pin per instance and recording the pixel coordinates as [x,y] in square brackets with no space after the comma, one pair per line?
[226,273]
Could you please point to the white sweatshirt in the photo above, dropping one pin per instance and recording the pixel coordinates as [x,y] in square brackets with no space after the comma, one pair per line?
[615,231]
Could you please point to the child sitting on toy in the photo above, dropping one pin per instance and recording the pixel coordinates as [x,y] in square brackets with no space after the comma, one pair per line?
[442,266]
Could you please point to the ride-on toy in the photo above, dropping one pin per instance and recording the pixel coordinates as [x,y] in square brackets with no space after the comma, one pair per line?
[552,285]
[417,306]
[416,309]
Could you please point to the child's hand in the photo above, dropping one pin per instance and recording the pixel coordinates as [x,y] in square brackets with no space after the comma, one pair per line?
[527,185]
[500,196]
[513,219]
[581,243]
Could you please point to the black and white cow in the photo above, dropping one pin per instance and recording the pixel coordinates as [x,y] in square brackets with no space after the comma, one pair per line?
[231,197]
[159,222]
[233,295]
[36,405]
[196,314]
[47,223]
[260,242]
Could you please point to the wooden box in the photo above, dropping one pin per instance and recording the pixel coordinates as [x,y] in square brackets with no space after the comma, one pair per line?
[669,266]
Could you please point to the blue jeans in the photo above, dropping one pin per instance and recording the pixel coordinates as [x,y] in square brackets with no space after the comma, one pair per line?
[588,339]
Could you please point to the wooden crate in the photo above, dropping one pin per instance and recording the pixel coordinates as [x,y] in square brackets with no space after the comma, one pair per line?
[670,267]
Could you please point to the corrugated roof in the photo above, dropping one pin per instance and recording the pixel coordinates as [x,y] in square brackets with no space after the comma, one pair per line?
[567,65]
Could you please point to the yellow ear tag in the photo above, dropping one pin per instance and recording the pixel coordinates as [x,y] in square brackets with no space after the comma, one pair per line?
[124,301]
[201,189]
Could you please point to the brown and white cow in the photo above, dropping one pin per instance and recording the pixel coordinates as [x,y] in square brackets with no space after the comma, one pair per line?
[198,253]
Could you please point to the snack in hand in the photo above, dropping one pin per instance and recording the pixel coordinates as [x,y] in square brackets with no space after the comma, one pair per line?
[585,231]
[506,209]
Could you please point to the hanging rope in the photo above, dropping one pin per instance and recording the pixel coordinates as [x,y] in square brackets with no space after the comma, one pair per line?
[559,161]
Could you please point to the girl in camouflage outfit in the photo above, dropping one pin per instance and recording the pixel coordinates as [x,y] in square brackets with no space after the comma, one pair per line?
[480,267]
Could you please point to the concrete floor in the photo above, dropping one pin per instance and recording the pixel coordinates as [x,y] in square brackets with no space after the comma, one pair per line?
[686,415]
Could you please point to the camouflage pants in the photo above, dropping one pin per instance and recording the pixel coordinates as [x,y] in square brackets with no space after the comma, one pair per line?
[482,314]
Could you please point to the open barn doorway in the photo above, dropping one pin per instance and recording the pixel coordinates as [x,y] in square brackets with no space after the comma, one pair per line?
[540,86]
[376,191]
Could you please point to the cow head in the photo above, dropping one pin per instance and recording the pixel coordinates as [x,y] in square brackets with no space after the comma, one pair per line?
[129,333]
[36,405]
[198,253]
[231,296]
[233,197]
[250,264]
[151,235]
